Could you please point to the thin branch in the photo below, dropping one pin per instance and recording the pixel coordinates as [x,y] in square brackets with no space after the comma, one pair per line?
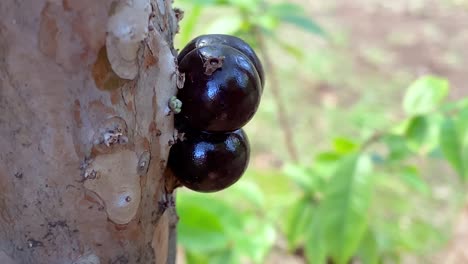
[374,138]
[274,86]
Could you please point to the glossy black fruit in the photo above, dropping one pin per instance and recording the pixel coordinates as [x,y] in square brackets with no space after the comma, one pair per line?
[206,162]
[221,91]
[228,40]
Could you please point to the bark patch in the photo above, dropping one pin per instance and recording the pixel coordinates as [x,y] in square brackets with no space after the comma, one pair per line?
[103,75]
[117,183]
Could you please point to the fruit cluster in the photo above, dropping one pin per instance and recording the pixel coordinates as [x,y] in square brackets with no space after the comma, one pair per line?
[224,82]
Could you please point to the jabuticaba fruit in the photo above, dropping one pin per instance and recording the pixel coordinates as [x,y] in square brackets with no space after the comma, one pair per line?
[227,40]
[224,81]
[222,89]
[206,162]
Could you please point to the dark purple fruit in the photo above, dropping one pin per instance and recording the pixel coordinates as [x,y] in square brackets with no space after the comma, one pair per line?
[228,40]
[221,91]
[206,162]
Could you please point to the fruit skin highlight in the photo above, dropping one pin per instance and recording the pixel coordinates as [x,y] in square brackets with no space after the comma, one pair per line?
[222,89]
[206,162]
[227,40]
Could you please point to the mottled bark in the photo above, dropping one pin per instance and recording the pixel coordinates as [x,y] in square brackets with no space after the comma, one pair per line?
[82,150]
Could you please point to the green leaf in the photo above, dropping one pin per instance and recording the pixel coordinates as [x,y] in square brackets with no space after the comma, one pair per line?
[298,221]
[199,229]
[304,23]
[257,239]
[452,147]
[195,257]
[461,120]
[295,15]
[344,145]
[418,235]
[206,222]
[266,22]
[416,132]
[397,147]
[410,175]
[328,157]
[368,249]
[276,187]
[284,9]
[344,210]
[425,95]
[433,132]
[325,163]
[455,105]
[245,190]
[212,226]
[227,256]
[315,247]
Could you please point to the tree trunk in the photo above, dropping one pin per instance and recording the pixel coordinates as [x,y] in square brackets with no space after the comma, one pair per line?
[85,131]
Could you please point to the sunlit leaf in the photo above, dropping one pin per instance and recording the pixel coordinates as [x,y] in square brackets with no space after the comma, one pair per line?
[328,157]
[200,229]
[425,95]
[195,257]
[462,122]
[344,209]
[298,221]
[325,163]
[315,247]
[211,225]
[400,128]
[273,183]
[452,147]
[368,250]
[344,145]
[433,132]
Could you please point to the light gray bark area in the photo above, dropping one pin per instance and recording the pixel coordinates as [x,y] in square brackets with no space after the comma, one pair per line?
[82,151]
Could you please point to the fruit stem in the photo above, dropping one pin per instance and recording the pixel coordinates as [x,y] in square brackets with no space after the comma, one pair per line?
[274,85]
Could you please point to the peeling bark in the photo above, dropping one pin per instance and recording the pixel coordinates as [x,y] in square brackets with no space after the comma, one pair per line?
[82,150]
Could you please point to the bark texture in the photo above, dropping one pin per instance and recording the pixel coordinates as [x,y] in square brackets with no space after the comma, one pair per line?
[82,150]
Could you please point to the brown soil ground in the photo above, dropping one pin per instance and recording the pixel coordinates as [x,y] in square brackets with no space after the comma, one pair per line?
[416,37]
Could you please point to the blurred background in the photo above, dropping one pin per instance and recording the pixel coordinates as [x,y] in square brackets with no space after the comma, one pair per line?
[360,144]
